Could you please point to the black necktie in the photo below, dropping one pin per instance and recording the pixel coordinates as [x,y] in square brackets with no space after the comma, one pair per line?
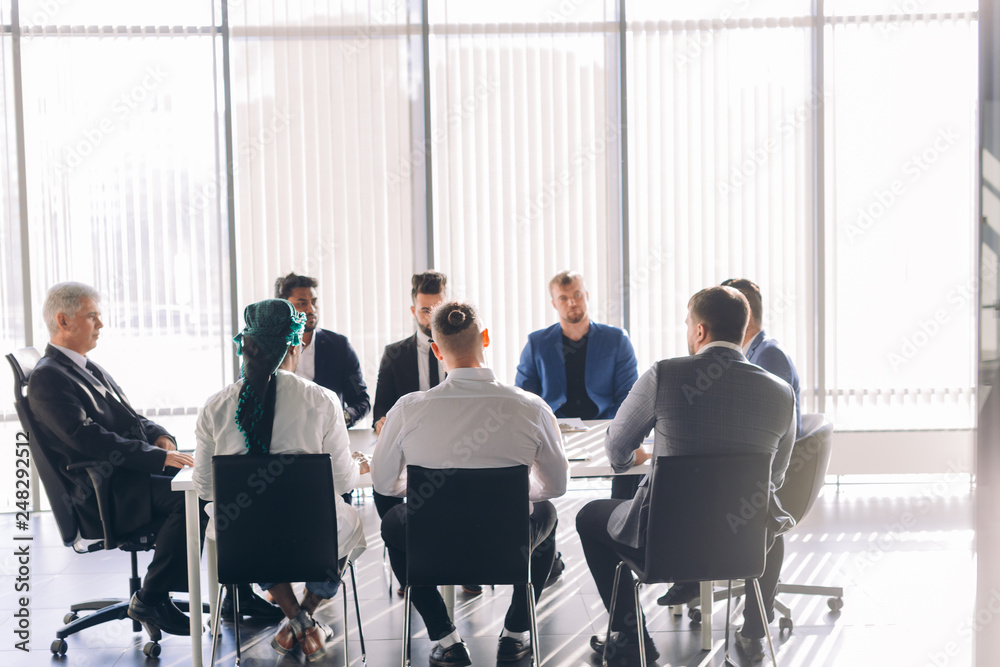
[103,379]
[432,369]
[96,372]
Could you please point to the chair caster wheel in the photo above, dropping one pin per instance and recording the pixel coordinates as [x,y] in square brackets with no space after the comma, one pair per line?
[694,615]
[70,617]
[835,604]
[59,647]
[151,650]
[784,623]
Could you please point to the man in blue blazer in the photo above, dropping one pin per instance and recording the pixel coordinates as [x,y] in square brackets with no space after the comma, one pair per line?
[327,357]
[579,367]
[763,350]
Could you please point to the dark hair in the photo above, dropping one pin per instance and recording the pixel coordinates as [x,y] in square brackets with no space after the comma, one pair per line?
[723,311]
[428,282]
[456,326]
[284,285]
[752,293]
[564,278]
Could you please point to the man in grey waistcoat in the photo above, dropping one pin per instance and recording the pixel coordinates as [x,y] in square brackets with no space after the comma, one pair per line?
[743,409]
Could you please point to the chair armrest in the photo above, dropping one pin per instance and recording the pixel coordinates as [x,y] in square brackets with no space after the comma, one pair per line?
[101,482]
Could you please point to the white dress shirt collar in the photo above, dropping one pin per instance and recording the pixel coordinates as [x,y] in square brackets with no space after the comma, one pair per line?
[73,355]
[721,343]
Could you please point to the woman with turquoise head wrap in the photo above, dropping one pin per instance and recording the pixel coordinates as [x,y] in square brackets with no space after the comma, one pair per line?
[268,411]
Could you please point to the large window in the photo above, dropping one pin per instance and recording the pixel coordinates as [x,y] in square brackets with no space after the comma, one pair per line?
[657,146]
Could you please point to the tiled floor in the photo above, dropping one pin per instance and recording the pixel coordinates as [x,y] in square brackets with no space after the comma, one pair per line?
[904,554]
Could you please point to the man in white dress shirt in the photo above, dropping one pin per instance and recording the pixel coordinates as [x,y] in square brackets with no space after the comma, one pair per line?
[442,428]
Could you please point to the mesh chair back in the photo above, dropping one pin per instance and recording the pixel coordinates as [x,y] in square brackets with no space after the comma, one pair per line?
[61,496]
[275,518]
[807,466]
[467,525]
[707,518]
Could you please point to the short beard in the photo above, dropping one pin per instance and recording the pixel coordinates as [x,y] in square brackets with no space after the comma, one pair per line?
[424,330]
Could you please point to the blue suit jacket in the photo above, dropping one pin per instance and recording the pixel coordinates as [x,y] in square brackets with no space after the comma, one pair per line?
[610,369]
[766,353]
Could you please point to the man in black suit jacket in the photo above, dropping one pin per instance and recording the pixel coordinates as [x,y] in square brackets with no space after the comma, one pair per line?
[402,371]
[327,357]
[85,416]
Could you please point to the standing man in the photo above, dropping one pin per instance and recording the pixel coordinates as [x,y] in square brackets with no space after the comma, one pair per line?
[409,364]
[84,416]
[327,357]
[580,368]
[428,429]
[726,417]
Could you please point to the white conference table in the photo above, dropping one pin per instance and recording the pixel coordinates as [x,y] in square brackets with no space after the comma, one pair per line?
[584,449]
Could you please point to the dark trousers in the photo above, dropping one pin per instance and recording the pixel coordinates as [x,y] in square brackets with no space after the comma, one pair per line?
[428,601]
[384,503]
[603,555]
[168,569]
[753,623]
[623,487]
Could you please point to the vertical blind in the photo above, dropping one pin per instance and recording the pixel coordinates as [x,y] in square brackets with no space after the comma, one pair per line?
[524,181]
[524,151]
[324,160]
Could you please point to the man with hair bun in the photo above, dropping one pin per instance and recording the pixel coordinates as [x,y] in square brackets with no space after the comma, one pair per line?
[442,428]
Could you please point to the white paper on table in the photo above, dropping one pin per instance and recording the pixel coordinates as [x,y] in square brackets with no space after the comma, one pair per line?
[571,424]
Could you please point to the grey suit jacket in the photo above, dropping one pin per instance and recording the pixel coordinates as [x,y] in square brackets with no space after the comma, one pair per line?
[714,402]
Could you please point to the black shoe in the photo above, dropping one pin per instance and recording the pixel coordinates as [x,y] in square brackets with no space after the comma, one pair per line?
[624,649]
[251,604]
[679,594]
[510,649]
[752,647]
[163,615]
[456,655]
[558,567]
[472,589]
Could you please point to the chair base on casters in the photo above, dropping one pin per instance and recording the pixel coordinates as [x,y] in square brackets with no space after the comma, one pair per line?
[835,601]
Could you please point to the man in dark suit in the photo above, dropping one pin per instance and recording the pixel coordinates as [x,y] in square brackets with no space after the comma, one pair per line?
[409,365]
[744,409]
[327,357]
[85,416]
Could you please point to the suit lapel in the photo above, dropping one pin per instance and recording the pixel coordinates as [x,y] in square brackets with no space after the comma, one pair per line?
[410,363]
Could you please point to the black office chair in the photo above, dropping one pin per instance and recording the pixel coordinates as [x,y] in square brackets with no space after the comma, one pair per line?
[71,529]
[697,503]
[803,482]
[296,499]
[491,506]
